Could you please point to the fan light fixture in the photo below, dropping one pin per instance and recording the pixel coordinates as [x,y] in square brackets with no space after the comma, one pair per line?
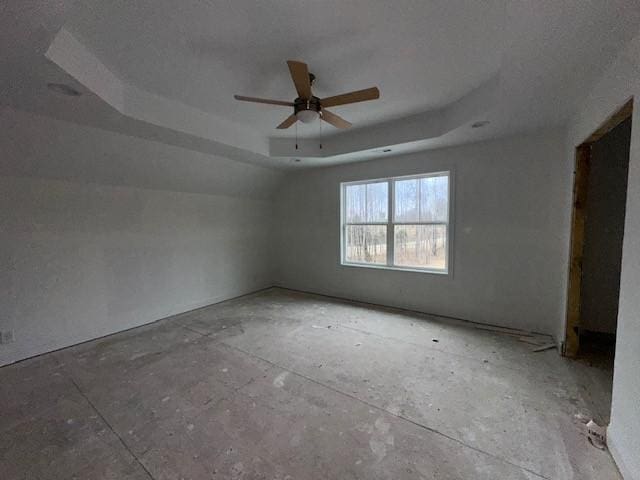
[306,106]
[307,116]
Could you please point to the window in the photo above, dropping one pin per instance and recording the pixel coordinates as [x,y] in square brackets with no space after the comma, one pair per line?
[400,223]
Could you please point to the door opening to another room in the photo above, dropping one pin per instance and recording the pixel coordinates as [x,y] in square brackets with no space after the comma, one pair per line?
[599,202]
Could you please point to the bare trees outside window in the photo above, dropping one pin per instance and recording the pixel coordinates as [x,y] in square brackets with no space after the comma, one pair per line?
[367,212]
[400,222]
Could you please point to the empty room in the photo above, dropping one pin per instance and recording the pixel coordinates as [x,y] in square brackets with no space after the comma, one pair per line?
[319,239]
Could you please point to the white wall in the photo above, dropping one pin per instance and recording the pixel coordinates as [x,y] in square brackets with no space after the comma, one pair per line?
[37,146]
[510,224]
[620,82]
[81,260]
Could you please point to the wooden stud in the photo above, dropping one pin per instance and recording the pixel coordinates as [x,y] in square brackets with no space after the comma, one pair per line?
[581,179]
[572,339]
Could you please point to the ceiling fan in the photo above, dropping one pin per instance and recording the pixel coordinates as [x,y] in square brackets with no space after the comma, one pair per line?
[307,107]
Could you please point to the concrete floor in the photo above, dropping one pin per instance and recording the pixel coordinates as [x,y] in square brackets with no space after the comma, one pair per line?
[284,385]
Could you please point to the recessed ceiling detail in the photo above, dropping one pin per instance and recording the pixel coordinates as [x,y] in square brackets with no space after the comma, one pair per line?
[146,69]
[405,130]
[69,54]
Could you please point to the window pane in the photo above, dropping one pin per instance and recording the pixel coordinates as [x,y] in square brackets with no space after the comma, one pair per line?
[422,246]
[366,203]
[355,210]
[406,201]
[434,199]
[366,244]
[377,202]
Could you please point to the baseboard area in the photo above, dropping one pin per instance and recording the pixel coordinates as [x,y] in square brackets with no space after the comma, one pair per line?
[192,308]
[220,299]
[408,310]
[625,471]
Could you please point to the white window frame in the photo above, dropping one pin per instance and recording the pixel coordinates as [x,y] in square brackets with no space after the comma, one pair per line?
[390,223]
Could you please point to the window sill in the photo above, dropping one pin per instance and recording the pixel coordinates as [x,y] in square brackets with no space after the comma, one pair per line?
[399,269]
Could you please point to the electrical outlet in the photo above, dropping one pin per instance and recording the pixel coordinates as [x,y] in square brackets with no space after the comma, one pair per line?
[6,336]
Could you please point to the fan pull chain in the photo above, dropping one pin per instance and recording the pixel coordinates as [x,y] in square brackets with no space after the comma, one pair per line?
[296,135]
[320,120]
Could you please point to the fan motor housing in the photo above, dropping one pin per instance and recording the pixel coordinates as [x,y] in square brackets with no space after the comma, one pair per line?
[313,104]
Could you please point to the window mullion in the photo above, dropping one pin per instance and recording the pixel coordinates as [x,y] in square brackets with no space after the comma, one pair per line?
[418,198]
[343,223]
[366,223]
[390,210]
[421,223]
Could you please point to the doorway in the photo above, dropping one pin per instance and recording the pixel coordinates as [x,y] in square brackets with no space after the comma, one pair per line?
[597,232]
[599,202]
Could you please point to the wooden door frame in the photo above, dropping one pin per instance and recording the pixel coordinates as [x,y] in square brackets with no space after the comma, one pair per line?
[571,342]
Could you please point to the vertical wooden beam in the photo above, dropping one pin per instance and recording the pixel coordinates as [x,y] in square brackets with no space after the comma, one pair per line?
[581,179]
[572,338]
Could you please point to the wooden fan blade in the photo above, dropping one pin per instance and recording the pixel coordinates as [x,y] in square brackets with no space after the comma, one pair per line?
[351,97]
[334,119]
[290,120]
[300,76]
[263,100]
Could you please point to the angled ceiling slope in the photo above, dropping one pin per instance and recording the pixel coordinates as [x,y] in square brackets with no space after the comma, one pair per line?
[70,55]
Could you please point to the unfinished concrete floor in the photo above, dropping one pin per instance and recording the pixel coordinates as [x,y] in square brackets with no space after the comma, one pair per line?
[283,385]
